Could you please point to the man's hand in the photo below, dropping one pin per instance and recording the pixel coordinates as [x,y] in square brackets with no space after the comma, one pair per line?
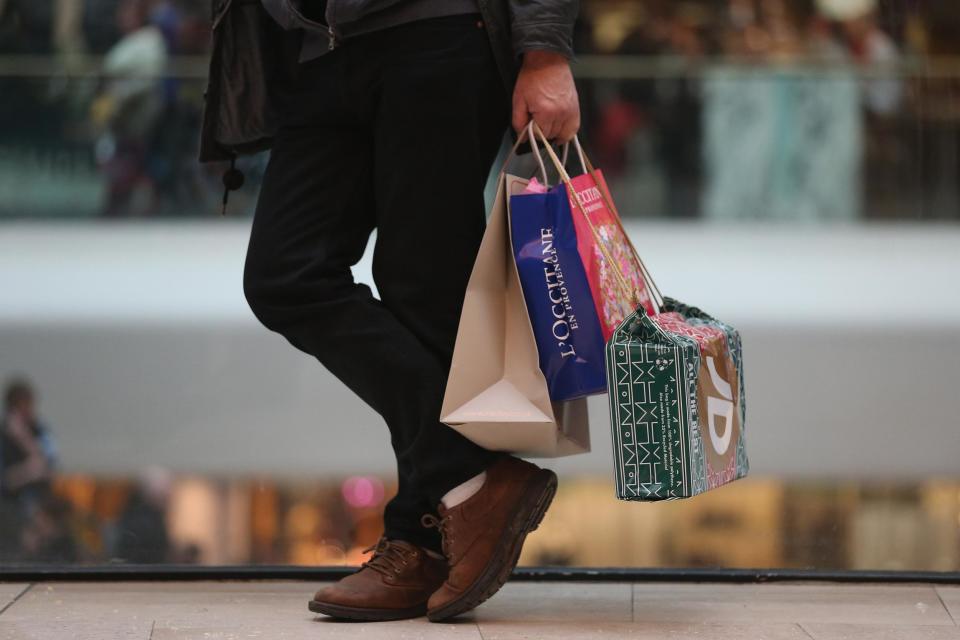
[545,91]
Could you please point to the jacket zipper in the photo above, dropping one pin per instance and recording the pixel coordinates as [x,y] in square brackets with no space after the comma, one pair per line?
[331,32]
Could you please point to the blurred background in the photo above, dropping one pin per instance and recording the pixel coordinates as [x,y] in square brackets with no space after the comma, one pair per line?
[791,166]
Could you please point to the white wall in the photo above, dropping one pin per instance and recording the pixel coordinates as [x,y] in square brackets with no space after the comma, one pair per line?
[144,350]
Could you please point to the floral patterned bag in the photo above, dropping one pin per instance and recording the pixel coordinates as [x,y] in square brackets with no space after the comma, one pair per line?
[612,302]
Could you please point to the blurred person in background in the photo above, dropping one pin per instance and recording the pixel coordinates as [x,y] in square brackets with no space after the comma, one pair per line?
[128,109]
[33,111]
[27,454]
[936,129]
[47,27]
[661,117]
[141,535]
[862,42]
[388,116]
[48,535]
[866,43]
[181,187]
[783,138]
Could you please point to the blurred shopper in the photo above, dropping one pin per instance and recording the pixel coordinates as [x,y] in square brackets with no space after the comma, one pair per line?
[388,116]
[27,456]
[669,107]
[867,44]
[781,141]
[32,109]
[47,536]
[141,534]
[51,26]
[936,130]
[129,108]
[885,155]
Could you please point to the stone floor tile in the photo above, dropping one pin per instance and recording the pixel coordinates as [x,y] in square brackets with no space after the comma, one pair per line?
[880,632]
[561,630]
[951,600]
[195,610]
[808,602]
[321,628]
[572,602]
[9,592]
[47,612]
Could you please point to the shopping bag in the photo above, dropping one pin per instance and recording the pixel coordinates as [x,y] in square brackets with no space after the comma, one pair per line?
[591,192]
[558,235]
[557,294]
[496,394]
[619,280]
[677,404]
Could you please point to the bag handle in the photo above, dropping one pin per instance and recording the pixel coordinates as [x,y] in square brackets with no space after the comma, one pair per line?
[632,294]
[608,201]
[531,133]
[625,288]
[528,135]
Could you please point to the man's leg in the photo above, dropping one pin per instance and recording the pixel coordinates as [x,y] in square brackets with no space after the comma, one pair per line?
[439,123]
[315,214]
[440,120]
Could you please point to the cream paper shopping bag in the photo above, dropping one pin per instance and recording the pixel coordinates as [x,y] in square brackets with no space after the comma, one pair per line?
[496,394]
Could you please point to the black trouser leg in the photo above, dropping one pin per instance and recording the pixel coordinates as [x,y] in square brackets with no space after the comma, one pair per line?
[396,132]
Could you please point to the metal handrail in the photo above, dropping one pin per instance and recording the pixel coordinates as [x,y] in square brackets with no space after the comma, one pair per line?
[163,572]
[620,67]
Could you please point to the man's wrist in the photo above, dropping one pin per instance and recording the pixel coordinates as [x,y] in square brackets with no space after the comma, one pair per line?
[539,58]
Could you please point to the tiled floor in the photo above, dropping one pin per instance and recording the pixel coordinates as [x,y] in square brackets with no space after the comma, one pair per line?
[560,611]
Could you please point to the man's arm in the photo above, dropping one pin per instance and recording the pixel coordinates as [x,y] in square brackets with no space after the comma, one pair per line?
[542,32]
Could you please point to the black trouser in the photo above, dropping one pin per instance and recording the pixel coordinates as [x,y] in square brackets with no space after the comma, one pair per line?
[396,131]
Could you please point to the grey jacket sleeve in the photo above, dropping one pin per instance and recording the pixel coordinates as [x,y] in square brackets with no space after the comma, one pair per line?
[543,25]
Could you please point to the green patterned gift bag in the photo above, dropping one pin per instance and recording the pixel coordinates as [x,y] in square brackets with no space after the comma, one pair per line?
[676,403]
[675,383]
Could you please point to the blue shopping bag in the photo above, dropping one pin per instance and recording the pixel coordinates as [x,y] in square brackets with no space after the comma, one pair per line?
[557,294]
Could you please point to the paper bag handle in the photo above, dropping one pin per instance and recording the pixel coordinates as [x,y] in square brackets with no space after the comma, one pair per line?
[528,135]
[608,200]
[625,287]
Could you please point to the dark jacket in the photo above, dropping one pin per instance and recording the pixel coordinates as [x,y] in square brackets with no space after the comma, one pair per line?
[238,117]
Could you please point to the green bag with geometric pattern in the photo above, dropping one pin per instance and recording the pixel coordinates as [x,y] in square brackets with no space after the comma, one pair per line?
[675,383]
[677,406]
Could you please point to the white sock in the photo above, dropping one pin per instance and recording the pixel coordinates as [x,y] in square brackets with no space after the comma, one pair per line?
[463,492]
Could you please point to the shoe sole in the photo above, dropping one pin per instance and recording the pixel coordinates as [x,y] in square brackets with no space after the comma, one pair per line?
[341,612]
[527,517]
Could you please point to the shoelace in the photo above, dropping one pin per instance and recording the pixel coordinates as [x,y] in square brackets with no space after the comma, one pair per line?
[443,526]
[388,558]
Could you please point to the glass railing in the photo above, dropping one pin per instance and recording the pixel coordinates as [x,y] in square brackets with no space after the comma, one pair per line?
[144,351]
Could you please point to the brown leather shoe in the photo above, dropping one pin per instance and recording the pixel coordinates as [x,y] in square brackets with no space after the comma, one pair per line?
[483,536]
[394,584]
